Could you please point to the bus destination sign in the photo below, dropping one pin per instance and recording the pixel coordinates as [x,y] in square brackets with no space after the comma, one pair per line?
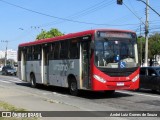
[116,34]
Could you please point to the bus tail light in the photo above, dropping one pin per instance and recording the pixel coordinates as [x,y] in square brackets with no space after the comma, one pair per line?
[135,78]
[99,79]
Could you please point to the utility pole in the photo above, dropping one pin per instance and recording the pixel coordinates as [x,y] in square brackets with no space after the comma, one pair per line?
[120,2]
[6,53]
[146,28]
[6,41]
[141,43]
[146,34]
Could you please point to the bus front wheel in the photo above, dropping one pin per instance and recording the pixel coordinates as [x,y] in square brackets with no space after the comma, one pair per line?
[73,87]
[33,80]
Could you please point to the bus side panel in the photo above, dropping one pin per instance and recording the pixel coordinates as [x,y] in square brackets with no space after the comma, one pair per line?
[35,67]
[60,69]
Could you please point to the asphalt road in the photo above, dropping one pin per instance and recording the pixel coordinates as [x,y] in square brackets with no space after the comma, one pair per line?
[20,93]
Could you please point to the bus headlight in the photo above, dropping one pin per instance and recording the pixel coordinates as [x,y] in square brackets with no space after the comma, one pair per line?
[99,79]
[135,78]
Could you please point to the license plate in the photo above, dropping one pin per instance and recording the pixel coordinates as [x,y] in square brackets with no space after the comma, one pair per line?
[120,84]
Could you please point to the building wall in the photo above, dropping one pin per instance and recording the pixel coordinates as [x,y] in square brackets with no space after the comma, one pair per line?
[2,54]
[11,54]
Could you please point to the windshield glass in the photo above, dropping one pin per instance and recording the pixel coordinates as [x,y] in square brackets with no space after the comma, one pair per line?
[115,52]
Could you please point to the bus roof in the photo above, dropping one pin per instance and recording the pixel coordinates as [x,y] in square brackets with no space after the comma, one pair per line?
[69,36]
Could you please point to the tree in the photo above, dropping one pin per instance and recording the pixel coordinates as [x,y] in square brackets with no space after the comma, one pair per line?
[49,34]
[141,48]
[154,45]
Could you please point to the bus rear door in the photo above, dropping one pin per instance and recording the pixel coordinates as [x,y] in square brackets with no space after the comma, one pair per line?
[45,62]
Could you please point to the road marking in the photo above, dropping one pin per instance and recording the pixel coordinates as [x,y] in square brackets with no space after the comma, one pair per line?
[11,81]
[5,81]
[140,94]
[16,81]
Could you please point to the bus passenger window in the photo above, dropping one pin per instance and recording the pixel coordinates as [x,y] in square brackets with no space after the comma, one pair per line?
[74,49]
[56,51]
[64,50]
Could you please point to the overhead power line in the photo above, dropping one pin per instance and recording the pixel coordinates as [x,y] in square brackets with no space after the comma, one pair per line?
[82,13]
[133,13]
[93,8]
[60,18]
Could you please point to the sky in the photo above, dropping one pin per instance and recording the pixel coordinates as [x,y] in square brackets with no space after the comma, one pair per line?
[22,20]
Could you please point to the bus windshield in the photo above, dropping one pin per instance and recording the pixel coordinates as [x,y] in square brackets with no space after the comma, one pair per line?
[114,52]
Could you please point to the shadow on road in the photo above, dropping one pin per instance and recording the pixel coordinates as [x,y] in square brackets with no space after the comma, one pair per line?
[24,84]
[82,93]
[148,91]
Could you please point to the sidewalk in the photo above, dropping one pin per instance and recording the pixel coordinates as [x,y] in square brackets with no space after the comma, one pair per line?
[31,102]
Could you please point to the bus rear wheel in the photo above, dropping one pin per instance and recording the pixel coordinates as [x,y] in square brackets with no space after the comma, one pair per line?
[73,87]
[33,81]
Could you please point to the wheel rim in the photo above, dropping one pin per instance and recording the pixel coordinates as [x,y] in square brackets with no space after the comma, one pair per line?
[33,84]
[32,81]
[73,86]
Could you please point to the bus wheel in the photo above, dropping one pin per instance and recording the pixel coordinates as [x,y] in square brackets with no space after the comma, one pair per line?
[33,80]
[109,92]
[73,87]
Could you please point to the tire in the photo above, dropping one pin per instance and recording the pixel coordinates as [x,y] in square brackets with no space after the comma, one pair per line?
[5,73]
[33,81]
[73,87]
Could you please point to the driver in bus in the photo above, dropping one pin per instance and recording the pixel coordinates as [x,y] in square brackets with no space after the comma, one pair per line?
[124,51]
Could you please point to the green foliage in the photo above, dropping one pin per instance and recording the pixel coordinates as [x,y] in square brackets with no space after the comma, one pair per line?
[141,48]
[153,46]
[49,34]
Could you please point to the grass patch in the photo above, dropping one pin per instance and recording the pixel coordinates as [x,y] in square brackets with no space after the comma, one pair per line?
[8,107]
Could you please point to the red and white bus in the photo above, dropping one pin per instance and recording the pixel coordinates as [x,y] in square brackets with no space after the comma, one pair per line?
[96,60]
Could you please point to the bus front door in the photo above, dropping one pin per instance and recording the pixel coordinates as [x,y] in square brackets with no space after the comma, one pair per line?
[85,64]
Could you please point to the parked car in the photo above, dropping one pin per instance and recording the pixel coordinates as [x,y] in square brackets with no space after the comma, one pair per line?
[8,70]
[150,78]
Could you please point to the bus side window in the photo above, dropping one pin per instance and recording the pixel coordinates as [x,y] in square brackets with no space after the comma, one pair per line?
[29,53]
[37,52]
[56,50]
[51,51]
[64,50]
[74,49]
